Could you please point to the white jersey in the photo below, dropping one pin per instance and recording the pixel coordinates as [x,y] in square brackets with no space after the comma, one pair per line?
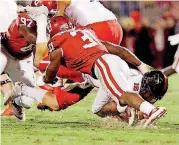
[176,61]
[135,80]
[85,12]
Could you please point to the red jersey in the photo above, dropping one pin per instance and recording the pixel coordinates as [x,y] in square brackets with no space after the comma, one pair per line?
[17,45]
[80,49]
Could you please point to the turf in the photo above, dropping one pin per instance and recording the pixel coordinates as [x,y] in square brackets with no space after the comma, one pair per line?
[78,126]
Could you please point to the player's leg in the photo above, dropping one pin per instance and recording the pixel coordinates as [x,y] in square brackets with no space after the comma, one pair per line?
[55,100]
[6,82]
[6,86]
[26,75]
[110,31]
[114,80]
[44,64]
[12,69]
[102,106]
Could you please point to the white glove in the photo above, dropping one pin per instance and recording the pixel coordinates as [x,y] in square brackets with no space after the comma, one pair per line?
[174,40]
[57,83]
[36,12]
[93,82]
[68,87]
[144,68]
[21,9]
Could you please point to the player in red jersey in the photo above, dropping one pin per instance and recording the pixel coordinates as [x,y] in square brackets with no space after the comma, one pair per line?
[88,14]
[16,53]
[88,56]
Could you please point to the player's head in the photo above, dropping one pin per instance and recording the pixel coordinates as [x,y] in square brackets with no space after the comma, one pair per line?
[59,24]
[154,85]
[52,5]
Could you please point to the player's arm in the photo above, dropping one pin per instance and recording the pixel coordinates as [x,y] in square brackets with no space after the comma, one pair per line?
[126,55]
[169,71]
[41,42]
[62,6]
[41,52]
[52,69]
[28,34]
[39,14]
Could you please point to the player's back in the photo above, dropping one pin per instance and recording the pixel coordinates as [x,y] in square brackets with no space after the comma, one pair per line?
[80,49]
[85,12]
[17,45]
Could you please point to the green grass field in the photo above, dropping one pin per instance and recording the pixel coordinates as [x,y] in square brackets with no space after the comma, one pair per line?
[78,126]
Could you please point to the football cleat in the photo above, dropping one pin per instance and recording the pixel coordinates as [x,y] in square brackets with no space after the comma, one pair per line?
[14,93]
[155,115]
[19,113]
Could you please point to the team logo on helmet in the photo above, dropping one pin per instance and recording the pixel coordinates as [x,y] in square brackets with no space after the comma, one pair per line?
[59,24]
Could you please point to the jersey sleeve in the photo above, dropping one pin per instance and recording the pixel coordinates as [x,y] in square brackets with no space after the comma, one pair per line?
[57,41]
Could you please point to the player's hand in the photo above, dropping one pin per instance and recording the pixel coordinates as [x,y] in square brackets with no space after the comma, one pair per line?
[21,9]
[36,12]
[144,68]
[174,40]
[68,87]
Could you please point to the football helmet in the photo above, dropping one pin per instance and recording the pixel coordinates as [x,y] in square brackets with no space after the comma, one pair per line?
[59,24]
[154,85]
[52,5]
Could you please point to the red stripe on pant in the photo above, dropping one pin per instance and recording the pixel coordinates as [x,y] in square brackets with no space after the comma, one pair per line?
[105,81]
[110,75]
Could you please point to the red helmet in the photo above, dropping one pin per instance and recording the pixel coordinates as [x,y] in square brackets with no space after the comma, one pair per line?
[52,5]
[59,24]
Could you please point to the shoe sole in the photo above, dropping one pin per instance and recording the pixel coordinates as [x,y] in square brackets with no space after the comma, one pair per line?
[153,119]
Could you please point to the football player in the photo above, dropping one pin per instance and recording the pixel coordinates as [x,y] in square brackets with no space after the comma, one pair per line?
[17,53]
[89,57]
[104,106]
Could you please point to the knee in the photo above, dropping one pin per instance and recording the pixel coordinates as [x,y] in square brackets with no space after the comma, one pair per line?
[3,60]
[26,102]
